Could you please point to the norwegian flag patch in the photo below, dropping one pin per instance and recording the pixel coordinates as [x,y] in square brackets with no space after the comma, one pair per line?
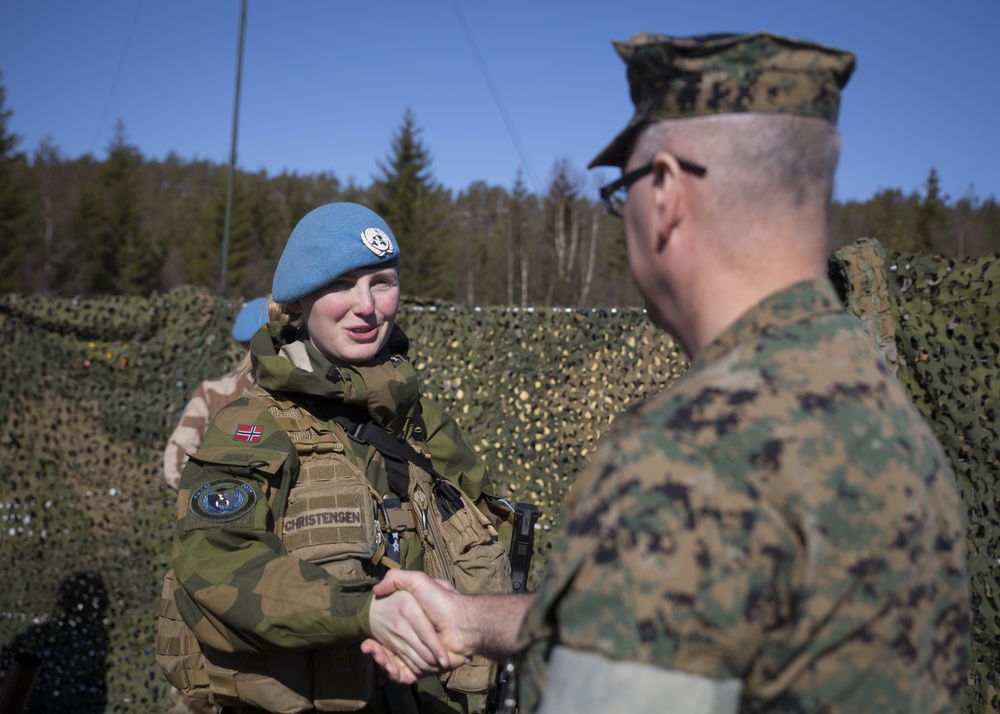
[248,432]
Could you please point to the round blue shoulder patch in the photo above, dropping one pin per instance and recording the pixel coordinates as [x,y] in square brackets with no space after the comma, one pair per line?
[223,500]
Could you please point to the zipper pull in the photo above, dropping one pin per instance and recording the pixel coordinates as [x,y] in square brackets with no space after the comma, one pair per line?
[422,503]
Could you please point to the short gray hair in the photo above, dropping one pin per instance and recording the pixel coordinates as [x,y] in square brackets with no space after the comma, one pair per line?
[755,161]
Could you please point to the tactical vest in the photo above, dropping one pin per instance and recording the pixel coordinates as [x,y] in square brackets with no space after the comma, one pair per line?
[337,520]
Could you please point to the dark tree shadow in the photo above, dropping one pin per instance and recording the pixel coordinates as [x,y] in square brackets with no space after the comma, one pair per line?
[72,646]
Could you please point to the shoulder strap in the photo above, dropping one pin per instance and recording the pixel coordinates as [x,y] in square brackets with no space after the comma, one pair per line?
[368,432]
[359,426]
[398,453]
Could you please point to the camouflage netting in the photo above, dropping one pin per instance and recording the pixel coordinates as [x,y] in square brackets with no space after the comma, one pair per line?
[90,390]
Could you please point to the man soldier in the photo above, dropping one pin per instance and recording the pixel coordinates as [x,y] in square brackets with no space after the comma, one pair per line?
[779,531]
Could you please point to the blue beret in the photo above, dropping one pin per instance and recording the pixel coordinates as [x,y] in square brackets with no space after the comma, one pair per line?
[329,241]
[252,315]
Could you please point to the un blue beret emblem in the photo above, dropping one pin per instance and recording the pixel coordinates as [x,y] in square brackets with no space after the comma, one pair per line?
[376,241]
[223,500]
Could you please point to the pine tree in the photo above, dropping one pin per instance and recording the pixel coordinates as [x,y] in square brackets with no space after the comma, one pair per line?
[612,280]
[518,258]
[932,217]
[267,233]
[989,217]
[175,189]
[16,191]
[890,218]
[203,250]
[123,260]
[416,209]
[563,226]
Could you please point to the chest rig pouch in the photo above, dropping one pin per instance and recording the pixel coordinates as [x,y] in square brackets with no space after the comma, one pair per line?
[331,518]
[459,543]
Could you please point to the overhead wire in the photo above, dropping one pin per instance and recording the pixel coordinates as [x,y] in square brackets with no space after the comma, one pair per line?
[498,99]
[118,74]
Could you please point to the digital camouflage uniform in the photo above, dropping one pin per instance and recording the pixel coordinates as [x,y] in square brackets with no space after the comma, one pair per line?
[781,516]
[240,590]
[208,398]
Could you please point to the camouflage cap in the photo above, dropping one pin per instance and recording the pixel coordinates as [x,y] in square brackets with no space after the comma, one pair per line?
[683,77]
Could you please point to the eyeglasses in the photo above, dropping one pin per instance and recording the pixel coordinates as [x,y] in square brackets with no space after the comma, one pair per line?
[613,195]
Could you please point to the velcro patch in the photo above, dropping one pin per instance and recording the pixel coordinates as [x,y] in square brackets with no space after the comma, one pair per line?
[223,500]
[248,432]
[330,521]
[324,517]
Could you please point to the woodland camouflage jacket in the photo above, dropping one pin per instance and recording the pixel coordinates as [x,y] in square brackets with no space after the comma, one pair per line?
[781,516]
[238,588]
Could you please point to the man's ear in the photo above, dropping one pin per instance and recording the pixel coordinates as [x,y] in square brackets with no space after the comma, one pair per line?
[668,194]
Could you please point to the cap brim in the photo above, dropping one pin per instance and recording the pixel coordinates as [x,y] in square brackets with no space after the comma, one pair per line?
[617,152]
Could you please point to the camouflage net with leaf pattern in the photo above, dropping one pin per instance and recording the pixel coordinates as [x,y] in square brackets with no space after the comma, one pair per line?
[90,390]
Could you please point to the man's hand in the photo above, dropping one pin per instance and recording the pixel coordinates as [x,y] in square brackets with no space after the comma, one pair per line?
[444,606]
[463,624]
[404,660]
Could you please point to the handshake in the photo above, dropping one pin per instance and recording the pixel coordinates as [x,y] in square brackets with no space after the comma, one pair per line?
[421,626]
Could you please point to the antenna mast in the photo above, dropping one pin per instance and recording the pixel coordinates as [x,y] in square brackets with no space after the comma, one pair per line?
[232,154]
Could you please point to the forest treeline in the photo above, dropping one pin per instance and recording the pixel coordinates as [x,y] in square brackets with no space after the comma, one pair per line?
[129,225]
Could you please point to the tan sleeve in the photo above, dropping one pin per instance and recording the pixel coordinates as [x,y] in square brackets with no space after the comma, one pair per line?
[209,397]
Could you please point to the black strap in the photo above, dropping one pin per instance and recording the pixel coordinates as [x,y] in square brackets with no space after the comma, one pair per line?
[398,453]
[371,433]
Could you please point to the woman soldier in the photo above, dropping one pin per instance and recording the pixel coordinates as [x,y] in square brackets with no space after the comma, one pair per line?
[332,470]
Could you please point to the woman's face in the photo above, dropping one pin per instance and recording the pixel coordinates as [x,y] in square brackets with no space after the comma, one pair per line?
[350,318]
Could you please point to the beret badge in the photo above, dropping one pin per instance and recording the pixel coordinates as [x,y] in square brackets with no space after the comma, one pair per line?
[376,241]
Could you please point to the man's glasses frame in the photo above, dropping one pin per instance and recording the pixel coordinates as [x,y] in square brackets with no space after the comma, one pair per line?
[613,195]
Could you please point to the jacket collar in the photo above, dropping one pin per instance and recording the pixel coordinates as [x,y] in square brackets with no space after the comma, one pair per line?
[387,387]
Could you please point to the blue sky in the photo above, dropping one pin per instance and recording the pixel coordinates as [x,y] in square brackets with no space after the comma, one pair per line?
[326,82]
